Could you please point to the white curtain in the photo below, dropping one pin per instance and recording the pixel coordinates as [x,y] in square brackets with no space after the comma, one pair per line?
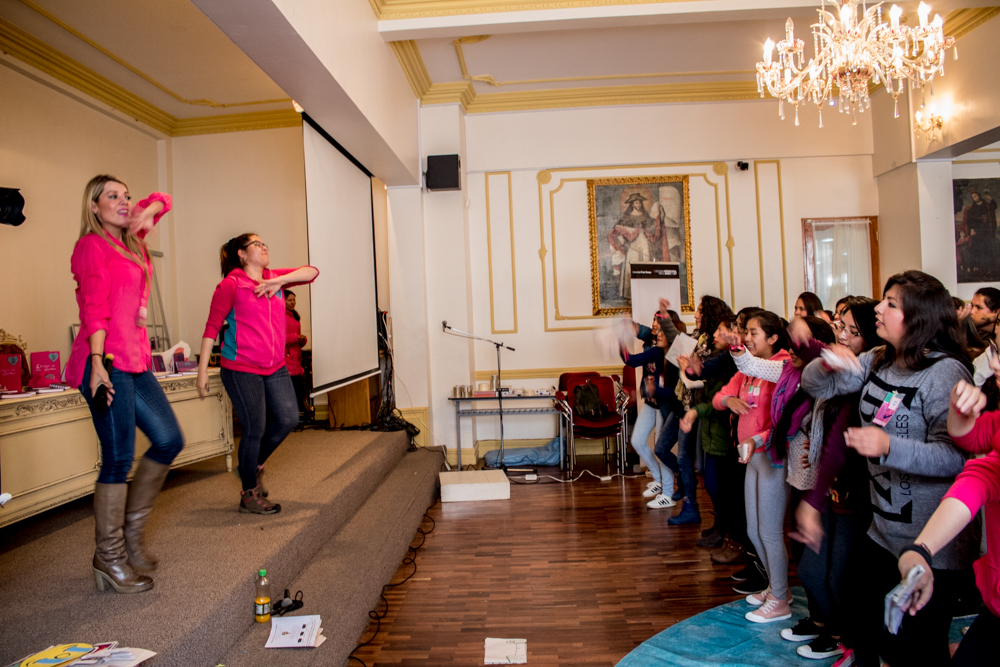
[843,260]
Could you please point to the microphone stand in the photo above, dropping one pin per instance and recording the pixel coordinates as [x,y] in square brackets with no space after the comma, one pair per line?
[463,334]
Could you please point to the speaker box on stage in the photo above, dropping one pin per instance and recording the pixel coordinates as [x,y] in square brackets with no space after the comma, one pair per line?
[443,172]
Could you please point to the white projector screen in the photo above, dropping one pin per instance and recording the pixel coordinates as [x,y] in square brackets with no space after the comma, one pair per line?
[342,246]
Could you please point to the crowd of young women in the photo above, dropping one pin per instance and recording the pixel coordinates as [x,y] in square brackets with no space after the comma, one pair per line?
[110,362]
[865,423]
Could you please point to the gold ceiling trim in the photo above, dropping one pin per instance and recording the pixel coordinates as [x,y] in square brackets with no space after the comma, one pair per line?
[460,92]
[661,93]
[39,55]
[415,9]
[961,22]
[135,70]
[413,66]
[489,79]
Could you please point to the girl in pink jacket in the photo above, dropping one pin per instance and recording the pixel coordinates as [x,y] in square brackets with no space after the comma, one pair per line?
[113,273]
[251,304]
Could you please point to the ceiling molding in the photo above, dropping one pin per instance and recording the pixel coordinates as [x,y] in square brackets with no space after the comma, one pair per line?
[413,66]
[135,70]
[36,53]
[661,93]
[417,9]
[238,122]
[961,22]
[461,92]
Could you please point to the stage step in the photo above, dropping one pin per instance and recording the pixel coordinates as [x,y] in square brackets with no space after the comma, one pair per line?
[343,581]
[209,552]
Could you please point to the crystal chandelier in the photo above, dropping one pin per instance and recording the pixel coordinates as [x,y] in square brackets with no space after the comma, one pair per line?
[853,49]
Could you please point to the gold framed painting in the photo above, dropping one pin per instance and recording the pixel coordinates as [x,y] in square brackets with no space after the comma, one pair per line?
[637,219]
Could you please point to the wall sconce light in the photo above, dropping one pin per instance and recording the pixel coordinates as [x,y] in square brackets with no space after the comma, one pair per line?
[928,126]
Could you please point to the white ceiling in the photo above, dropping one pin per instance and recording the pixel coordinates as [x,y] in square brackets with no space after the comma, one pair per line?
[170,41]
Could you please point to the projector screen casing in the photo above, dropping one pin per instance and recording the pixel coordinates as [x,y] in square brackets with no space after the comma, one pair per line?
[342,246]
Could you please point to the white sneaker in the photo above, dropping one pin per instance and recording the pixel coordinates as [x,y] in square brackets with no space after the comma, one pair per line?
[650,485]
[757,599]
[660,501]
[652,491]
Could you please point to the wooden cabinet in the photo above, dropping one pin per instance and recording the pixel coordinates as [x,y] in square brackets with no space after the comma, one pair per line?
[50,454]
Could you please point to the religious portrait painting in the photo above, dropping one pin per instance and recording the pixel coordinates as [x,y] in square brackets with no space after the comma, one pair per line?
[977,245]
[637,219]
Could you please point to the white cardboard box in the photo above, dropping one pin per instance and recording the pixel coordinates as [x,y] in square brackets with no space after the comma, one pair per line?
[457,486]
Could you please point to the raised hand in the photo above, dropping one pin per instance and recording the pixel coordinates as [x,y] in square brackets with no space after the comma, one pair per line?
[968,400]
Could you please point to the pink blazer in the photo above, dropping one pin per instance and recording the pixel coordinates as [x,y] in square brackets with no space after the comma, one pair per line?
[109,292]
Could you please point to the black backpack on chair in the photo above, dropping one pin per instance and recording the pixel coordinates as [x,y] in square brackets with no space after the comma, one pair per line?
[588,402]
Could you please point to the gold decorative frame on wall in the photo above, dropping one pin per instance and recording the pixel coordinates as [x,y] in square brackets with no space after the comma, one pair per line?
[600,310]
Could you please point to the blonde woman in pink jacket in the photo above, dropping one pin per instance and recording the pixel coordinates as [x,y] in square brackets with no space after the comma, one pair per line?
[250,301]
[113,273]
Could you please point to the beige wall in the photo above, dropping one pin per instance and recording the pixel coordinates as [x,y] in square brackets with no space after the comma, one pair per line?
[50,146]
[226,185]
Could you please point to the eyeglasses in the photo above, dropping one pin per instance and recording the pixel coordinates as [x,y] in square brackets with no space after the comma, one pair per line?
[842,327]
[259,244]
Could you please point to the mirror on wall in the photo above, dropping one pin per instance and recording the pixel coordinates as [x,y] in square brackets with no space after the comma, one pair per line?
[841,257]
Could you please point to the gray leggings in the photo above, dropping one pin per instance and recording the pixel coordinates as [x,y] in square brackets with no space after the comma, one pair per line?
[767,497]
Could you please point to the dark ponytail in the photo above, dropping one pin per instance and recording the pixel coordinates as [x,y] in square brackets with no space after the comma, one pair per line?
[229,255]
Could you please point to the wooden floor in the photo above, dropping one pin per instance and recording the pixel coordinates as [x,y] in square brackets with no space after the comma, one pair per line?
[583,571]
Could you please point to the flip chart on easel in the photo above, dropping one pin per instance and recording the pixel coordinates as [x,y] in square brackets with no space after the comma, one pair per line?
[650,282]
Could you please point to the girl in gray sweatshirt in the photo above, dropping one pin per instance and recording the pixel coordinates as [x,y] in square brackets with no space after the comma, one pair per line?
[905,387]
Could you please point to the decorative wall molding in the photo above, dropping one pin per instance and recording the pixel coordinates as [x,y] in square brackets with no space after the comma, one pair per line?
[760,239]
[39,55]
[545,178]
[489,250]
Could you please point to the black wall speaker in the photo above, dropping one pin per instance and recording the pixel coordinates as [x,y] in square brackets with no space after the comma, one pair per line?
[443,172]
[11,207]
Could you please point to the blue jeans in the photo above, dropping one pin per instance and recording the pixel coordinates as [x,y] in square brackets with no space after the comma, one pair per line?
[669,434]
[645,421]
[138,401]
[268,412]
[687,446]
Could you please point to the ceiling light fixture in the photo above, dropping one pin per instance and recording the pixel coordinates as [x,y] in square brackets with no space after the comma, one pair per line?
[853,49]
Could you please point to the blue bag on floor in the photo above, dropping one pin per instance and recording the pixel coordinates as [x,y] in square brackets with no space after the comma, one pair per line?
[546,455]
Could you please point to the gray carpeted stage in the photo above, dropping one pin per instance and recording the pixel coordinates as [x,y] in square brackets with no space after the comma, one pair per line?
[351,503]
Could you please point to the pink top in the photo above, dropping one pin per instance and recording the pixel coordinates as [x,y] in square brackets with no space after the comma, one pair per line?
[293,351]
[756,422]
[109,293]
[977,485]
[255,338]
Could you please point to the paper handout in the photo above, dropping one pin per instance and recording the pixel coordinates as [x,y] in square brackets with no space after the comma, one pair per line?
[506,651]
[295,632]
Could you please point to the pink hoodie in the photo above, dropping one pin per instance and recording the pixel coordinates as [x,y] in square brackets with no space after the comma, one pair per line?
[255,339]
[109,290]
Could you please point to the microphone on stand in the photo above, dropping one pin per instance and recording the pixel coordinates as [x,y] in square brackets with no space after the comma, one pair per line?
[444,325]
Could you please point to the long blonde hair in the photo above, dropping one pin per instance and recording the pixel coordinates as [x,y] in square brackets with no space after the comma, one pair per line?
[89,224]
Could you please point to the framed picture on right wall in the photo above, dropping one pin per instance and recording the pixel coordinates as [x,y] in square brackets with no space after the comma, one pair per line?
[977,245]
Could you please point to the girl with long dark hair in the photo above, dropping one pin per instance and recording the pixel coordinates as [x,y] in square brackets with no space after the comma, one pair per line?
[113,271]
[251,300]
[904,387]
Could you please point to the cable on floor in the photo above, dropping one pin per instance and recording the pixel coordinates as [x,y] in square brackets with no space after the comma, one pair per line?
[408,560]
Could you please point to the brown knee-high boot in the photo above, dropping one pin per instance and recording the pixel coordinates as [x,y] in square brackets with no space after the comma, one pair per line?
[142,494]
[111,565]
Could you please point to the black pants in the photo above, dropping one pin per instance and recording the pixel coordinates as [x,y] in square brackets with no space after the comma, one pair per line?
[979,646]
[265,405]
[732,511]
[302,394]
[922,639]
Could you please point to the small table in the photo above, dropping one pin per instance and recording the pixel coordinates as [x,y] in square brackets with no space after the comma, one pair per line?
[486,412]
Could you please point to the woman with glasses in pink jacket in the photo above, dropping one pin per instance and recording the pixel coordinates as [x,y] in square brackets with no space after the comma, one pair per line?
[250,302]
